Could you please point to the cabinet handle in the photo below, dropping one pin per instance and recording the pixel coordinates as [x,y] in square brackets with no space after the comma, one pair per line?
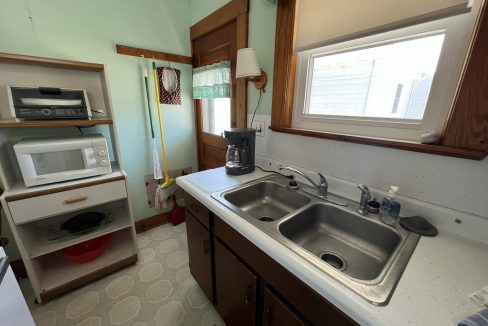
[267,316]
[75,200]
[206,247]
[249,293]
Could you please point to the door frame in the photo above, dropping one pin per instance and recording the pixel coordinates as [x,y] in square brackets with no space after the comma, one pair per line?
[238,11]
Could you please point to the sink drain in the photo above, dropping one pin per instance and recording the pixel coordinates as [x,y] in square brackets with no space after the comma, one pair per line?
[266,218]
[334,260]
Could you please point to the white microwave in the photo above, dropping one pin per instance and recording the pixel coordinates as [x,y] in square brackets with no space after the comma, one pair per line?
[50,160]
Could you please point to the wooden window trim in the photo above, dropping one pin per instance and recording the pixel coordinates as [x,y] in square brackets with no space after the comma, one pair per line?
[466,131]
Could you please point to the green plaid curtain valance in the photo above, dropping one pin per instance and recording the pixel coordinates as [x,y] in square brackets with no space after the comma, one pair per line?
[212,81]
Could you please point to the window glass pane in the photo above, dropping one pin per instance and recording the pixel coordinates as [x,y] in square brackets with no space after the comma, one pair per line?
[215,115]
[387,81]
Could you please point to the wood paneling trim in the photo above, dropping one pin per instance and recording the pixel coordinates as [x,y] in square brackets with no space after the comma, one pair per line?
[48,295]
[467,126]
[41,61]
[284,65]
[241,83]
[415,147]
[219,18]
[151,222]
[151,54]
[61,189]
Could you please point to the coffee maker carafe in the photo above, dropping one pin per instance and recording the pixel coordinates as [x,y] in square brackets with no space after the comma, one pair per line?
[240,152]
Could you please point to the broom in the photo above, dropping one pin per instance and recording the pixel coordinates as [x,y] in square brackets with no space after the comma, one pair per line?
[168,187]
[155,154]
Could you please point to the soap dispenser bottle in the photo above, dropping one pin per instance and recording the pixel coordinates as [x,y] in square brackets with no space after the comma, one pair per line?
[390,208]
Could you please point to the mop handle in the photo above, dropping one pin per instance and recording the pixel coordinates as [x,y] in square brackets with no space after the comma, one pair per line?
[148,102]
[163,146]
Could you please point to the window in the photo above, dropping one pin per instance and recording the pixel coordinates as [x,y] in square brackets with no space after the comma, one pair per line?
[389,81]
[396,85]
[215,115]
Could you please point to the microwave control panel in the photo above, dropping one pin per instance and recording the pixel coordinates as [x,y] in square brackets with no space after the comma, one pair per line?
[101,155]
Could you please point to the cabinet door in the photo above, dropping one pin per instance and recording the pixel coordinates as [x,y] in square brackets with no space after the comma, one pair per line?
[276,313]
[236,289]
[199,252]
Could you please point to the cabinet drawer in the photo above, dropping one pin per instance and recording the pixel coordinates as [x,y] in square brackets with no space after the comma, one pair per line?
[197,209]
[35,208]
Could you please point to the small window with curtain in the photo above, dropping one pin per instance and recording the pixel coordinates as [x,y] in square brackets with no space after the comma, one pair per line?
[212,85]
[384,69]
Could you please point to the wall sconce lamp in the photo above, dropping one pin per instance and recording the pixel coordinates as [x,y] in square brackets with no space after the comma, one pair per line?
[248,67]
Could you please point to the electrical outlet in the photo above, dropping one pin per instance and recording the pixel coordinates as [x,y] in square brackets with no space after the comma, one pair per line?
[260,128]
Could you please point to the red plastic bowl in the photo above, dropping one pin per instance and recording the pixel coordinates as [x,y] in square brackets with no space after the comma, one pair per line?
[88,250]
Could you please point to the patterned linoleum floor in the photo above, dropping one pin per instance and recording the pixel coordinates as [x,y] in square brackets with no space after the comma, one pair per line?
[159,291]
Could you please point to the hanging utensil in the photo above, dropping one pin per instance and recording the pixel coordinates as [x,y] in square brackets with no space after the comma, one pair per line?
[167,180]
[155,154]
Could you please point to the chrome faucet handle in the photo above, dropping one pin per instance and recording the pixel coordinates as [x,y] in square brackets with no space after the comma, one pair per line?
[323,185]
[365,197]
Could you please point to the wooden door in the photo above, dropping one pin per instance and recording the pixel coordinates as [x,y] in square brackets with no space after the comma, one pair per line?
[199,252]
[214,39]
[235,289]
[276,312]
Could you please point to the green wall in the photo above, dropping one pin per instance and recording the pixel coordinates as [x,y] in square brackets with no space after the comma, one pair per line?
[262,23]
[77,30]
[88,31]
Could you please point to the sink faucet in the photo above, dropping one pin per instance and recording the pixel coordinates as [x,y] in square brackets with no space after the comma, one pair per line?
[321,187]
[365,197]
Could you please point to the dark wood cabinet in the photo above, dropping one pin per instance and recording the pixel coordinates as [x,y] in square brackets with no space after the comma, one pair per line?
[277,313]
[246,285]
[235,289]
[200,254]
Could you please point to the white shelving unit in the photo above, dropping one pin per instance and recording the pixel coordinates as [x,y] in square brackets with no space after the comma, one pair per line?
[33,212]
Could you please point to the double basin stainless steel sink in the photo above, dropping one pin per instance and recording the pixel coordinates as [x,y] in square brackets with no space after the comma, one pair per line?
[359,251]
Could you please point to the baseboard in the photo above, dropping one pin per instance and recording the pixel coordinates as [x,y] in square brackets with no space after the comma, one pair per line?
[152,222]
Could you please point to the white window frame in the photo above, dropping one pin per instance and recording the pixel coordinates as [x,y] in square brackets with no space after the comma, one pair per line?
[459,33]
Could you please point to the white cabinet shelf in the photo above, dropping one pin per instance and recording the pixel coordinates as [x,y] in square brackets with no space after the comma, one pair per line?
[43,246]
[19,191]
[57,270]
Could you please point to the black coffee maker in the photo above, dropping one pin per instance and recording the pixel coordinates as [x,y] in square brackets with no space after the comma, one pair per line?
[240,152]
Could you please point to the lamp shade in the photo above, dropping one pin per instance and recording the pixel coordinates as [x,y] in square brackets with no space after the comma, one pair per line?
[247,63]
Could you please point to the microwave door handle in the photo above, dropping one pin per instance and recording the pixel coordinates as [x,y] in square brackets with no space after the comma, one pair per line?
[89,158]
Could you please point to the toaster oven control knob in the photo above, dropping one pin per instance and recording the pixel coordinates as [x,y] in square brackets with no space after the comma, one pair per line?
[101,152]
[103,163]
[46,111]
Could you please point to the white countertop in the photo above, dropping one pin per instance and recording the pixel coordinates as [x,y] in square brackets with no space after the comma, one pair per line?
[13,308]
[434,289]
